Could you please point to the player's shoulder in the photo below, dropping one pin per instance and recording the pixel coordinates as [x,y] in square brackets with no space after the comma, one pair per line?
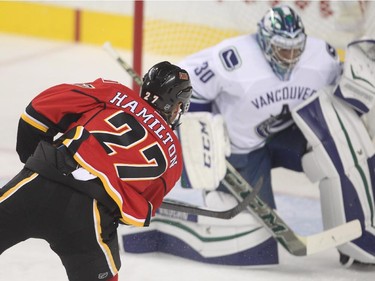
[229,53]
[238,53]
[242,46]
[239,43]
[320,58]
[237,59]
[316,47]
[101,84]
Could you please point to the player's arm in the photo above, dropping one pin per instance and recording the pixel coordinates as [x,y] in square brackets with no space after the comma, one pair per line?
[48,114]
[204,78]
[334,65]
[30,132]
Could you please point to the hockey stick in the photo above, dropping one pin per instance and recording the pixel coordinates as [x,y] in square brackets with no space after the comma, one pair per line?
[227,214]
[108,47]
[295,244]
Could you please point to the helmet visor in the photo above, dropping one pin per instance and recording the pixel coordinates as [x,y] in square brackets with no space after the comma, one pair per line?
[287,51]
[184,97]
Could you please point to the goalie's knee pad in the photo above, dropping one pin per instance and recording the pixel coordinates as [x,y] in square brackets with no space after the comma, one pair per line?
[342,160]
[240,241]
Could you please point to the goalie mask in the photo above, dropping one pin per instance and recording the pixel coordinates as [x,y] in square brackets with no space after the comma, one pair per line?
[167,88]
[281,36]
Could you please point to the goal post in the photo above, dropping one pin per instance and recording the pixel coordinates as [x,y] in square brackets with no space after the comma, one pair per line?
[171,30]
[138,40]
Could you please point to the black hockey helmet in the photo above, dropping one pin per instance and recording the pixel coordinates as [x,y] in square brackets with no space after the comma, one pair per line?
[164,87]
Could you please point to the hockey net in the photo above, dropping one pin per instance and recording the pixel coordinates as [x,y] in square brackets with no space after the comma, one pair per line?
[174,29]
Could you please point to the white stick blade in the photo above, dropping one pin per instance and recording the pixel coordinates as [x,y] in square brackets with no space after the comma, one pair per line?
[333,237]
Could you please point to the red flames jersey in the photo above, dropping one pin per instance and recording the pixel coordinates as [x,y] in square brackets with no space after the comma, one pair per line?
[116,136]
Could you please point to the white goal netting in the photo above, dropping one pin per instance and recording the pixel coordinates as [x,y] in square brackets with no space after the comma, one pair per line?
[178,28]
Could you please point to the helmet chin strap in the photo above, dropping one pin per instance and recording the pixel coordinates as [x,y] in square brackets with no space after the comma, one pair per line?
[176,122]
[173,123]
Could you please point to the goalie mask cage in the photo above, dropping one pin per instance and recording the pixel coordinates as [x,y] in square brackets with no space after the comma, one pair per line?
[170,30]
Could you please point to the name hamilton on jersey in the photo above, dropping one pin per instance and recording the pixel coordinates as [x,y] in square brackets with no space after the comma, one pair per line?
[125,102]
[283,94]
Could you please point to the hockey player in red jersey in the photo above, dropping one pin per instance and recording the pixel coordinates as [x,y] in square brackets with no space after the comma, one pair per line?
[95,154]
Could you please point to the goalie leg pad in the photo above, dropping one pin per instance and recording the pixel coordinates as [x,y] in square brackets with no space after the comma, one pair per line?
[205,146]
[342,148]
[241,245]
[240,241]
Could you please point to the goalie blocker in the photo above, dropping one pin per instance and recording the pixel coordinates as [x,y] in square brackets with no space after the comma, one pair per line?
[206,141]
[342,153]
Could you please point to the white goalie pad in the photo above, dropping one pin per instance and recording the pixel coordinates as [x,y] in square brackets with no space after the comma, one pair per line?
[342,160]
[357,84]
[369,120]
[205,145]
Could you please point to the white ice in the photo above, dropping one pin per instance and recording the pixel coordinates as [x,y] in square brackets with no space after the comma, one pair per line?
[28,66]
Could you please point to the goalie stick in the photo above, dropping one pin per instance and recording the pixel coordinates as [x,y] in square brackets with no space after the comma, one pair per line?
[295,244]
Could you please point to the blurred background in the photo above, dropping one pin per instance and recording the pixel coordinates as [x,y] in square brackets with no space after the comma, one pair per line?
[154,29]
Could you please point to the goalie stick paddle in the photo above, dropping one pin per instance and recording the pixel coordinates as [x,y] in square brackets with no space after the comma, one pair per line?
[295,244]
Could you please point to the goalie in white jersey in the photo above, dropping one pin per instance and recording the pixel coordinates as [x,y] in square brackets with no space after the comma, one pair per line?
[254,82]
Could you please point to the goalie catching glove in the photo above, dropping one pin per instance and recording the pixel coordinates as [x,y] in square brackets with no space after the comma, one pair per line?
[205,146]
[357,84]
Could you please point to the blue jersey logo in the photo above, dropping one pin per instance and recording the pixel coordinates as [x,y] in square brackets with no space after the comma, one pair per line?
[230,59]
